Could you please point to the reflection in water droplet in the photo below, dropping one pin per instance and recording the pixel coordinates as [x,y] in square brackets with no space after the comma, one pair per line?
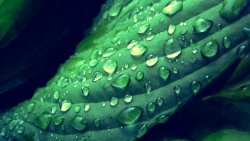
[173,8]
[151,60]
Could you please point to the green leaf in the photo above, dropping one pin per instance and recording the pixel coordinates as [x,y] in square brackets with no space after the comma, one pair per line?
[139,38]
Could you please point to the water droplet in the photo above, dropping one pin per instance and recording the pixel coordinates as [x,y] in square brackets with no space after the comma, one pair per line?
[171,29]
[93,62]
[142,131]
[177,89]
[162,119]
[202,25]
[242,51]
[129,115]
[138,50]
[20,130]
[97,122]
[121,81]
[143,28]
[65,105]
[56,95]
[109,52]
[58,120]
[115,10]
[110,66]
[151,107]
[97,76]
[227,42]
[77,108]
[53,109]
[194,50]
[85,91]
[128,98]
[43,121]
[139,75]
[210,49]
[30,107]
[86,107]
[114,101]
[78,123]
[151,60]
[160,101]
[164,73]
[175,71]
[148,87]
[170,50]
[173,8]
[195,86]
[132,43]
[3,132]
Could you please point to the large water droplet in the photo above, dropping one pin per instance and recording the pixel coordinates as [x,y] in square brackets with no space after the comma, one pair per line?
[151,60]
[164,73]
[210,49]
[78,123]
[65,105]
[121,81]
[138,50]
[195,86]
[173,8]
[129,115]
[202,25]
[110,66]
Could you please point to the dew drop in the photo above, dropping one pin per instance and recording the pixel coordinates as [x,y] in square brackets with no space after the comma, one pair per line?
[210,49]
[139,75]
[143,28]
[129,115]
[195,86]
[138,50]
[128,98]
[121,81]
[142,131]
[43,121]
[227,42]
[56,95]
[173,8]
[58,120]
[164,73]
[97,76]
[110,66]
[65,105]
[151,60]
[86,107]
[202,25]
[151,107]
[114,101]
[78,123]
[85,91]
[115,10]
[160,101]
[177,89]
[171,29]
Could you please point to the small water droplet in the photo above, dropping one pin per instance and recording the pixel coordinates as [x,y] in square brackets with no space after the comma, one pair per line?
[86,107]
[142,131]
[53,109]
[202,25]
[132,43]
[128,98]
[242,51]
[175,71]
[65,105]
[56,95]
[139,75]
[97,76]
[77,108]
[160,101]
[173,8]
[195,86]
[43,121]
[162,119]
[148,87]
[151,107]
[115,10]
[143,28]
[85,91]
[93,62]
[171,29]
[121,81]
[109,52]
[170,50]
[164,73]
[177,89]
[210,49]
[129,115]
[138,50]
[78,123]
[58,120]
[151,60]
[114,101]
[227,42]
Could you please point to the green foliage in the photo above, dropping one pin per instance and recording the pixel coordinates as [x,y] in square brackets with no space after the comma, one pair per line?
[143,61]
